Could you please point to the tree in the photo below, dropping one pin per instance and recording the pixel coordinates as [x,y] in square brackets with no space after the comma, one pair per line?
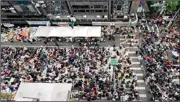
[172,5]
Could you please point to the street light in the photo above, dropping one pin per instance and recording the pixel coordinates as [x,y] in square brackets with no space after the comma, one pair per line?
[84,16]
[98,16]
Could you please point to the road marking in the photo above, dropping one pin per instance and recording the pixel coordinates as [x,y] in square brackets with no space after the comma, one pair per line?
[134,57]
[131,47]
[140,88]
[139,74]
[142,95]
[135,62]
[135,68]
[132,52]
[140,81]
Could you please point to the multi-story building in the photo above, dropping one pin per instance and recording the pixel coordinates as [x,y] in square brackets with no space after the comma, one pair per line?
[21,11]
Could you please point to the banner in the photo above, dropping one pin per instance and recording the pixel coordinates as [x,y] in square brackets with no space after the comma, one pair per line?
[38,22]
[60,23]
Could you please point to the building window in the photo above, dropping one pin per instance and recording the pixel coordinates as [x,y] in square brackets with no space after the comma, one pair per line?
[98,6]
[80,6]
[98,10]
[81,10]
[119,7]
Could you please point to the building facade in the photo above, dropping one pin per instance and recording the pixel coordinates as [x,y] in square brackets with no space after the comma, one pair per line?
[21,11]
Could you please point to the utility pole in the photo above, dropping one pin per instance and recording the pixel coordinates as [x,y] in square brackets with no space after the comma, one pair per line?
[114,80]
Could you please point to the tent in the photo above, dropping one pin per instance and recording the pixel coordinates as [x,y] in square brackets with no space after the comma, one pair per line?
[78,31]
[53,33]
[42,31]
[94,32]
[64,31]
[44,91]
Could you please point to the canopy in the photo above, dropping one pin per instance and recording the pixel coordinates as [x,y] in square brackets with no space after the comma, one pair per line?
[64,31]
[53,33]
[42,32]
[94,32]
[79,31]
[44,91]
[8,25]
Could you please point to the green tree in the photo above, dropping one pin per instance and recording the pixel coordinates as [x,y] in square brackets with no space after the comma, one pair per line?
[172,5]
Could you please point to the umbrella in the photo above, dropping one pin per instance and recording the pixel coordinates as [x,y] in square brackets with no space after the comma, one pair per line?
[25,33]
[175,53]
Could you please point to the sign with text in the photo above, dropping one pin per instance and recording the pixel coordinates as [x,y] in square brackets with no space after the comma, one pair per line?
[114,61]
[38,22]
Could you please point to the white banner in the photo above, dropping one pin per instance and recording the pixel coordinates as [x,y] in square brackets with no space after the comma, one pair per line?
[38,22]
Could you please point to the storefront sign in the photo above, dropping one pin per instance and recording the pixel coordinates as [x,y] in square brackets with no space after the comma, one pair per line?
[38,22]
[60,23]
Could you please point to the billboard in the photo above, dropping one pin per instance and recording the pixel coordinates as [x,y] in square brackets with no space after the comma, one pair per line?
[38,22]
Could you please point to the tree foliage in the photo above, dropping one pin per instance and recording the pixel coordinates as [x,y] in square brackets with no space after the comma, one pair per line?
[172,5]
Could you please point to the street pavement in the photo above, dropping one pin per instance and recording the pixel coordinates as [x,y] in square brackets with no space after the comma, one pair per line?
[141,88]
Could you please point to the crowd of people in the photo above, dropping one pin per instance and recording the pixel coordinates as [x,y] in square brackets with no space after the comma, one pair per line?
[18,34]
[159,56]
[88,68]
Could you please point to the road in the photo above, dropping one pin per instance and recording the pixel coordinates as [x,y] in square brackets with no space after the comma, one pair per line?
[134,6]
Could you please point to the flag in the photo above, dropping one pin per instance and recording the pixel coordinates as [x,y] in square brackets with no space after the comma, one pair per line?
[71,23]
[72,20]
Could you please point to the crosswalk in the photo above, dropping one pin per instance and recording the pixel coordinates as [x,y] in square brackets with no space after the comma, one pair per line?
[141,87]
[150,28]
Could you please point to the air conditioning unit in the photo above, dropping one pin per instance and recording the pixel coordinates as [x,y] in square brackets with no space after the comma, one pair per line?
[37,5]
[31,8]
[58,17]
[84,16]
[98,16]
[41,2]
[3,9]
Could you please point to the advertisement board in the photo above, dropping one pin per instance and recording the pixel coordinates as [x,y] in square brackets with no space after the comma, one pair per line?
[38,22]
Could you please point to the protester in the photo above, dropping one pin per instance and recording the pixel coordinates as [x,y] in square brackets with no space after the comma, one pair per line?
[160,55]
[88,68]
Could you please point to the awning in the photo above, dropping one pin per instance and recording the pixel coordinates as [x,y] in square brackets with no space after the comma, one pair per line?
[8,25]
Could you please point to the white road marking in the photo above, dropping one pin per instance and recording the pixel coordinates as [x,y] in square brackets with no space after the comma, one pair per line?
[135,62]
[135,68]
[139,74]
[142,95]
[140,88]
[132,52]
[140,81]
[132,47]
[134,57]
